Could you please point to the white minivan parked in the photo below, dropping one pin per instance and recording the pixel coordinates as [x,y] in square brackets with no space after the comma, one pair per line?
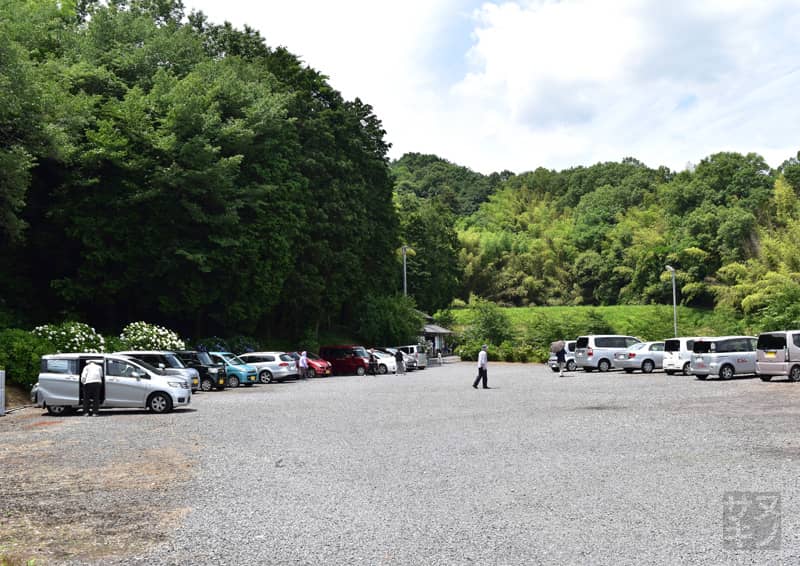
[778,353]
[678,355]
[724,356]
[126,383]
[596,352]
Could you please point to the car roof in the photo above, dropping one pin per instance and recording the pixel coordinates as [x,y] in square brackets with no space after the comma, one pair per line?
[147,352]
[276,353]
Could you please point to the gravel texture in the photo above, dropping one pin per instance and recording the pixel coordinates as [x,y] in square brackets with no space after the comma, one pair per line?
[594,469]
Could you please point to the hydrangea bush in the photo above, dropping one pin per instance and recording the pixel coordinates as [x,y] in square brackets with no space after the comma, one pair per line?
[72,337]
[144,336]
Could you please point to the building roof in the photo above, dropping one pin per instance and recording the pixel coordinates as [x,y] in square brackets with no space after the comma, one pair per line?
[434,329]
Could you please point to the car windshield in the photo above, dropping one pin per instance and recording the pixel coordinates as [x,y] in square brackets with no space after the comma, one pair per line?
[173,361]
[288,357]
[235,360]
[360,352]
[638,346]
[312,356]
[205,359]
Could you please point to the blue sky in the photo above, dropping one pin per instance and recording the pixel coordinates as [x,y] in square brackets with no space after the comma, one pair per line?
[517,85]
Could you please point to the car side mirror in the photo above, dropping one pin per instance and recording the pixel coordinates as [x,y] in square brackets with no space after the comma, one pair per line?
[137,374]
[161,366]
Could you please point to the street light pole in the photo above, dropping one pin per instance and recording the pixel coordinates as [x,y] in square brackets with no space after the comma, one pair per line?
[405,288]
[674,300]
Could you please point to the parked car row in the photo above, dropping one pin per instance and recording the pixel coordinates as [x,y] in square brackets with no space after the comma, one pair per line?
[163,380]
[771,354]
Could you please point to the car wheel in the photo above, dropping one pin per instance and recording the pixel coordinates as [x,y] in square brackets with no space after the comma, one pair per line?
[726,372]
[233,381]
[159,403]
[604,365]
[686,369]
[794,375]
[571,366]
[648,366]
[765,377]
[265,377]
[360,371]
[382,369]
[207,384]
[56,410]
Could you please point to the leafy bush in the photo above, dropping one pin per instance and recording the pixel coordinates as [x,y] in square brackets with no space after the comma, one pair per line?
[505,352]
[212,344]
[72,337]
[242,344]
[489,323]
[389,320]
[144,336]
[468,350]
[20,354]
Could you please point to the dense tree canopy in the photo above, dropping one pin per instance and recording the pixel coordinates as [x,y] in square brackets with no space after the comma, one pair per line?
[157,166]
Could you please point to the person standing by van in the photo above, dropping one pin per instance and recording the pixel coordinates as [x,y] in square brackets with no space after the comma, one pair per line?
[401,363]
[483,364]
[559,348]
[92,380]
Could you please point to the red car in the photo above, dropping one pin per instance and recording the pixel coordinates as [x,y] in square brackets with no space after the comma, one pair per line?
[346,359]
[320,367]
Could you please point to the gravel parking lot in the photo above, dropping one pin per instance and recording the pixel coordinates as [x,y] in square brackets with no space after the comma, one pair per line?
[415,469]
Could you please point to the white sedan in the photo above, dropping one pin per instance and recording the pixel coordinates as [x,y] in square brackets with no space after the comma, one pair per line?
[645,356]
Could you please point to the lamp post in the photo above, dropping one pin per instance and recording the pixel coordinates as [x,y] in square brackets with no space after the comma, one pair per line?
[405,288]
[674,300]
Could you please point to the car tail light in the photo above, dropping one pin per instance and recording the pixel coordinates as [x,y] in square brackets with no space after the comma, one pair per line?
[589,352]
[631,355]
[283,364]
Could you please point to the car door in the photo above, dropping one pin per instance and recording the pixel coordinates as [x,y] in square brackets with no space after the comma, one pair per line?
[123,387]
[657,354]
[59,381]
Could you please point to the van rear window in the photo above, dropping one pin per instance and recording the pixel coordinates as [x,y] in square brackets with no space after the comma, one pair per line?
[672,345]
[704,347]
[771,342]
[60,366]
[582,342]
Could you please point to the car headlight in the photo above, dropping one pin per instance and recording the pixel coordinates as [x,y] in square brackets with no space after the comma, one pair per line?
[213,370]
[175,384]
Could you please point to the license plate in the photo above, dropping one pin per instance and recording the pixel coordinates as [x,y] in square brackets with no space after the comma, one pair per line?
[194,382]
[770,354]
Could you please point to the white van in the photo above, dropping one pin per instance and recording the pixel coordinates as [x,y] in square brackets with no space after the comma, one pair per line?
[678,355]
[724,356]
[418,352]
[597,351]
[778,353]
[126,383]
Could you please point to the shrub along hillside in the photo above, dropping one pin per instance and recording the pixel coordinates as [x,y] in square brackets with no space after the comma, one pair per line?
[525,333]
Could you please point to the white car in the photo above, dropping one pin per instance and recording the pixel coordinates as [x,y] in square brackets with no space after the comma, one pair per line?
[645,356]
[386,362]
[272,366]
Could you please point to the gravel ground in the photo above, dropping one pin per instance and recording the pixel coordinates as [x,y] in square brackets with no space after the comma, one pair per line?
[422,469]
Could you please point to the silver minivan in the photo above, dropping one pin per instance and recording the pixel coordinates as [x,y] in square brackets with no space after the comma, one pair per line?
[724,356]
[418,353]
[678,355]
[126,383]
[168,361]
[778,353]
[596,351]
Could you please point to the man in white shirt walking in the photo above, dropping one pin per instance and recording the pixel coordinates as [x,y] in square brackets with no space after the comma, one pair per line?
[303,363]
[483,363]
[92,380]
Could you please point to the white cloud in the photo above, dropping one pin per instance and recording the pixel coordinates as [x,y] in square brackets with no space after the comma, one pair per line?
[517,85]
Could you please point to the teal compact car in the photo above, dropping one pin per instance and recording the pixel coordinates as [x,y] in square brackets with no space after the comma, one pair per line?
[237,371]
